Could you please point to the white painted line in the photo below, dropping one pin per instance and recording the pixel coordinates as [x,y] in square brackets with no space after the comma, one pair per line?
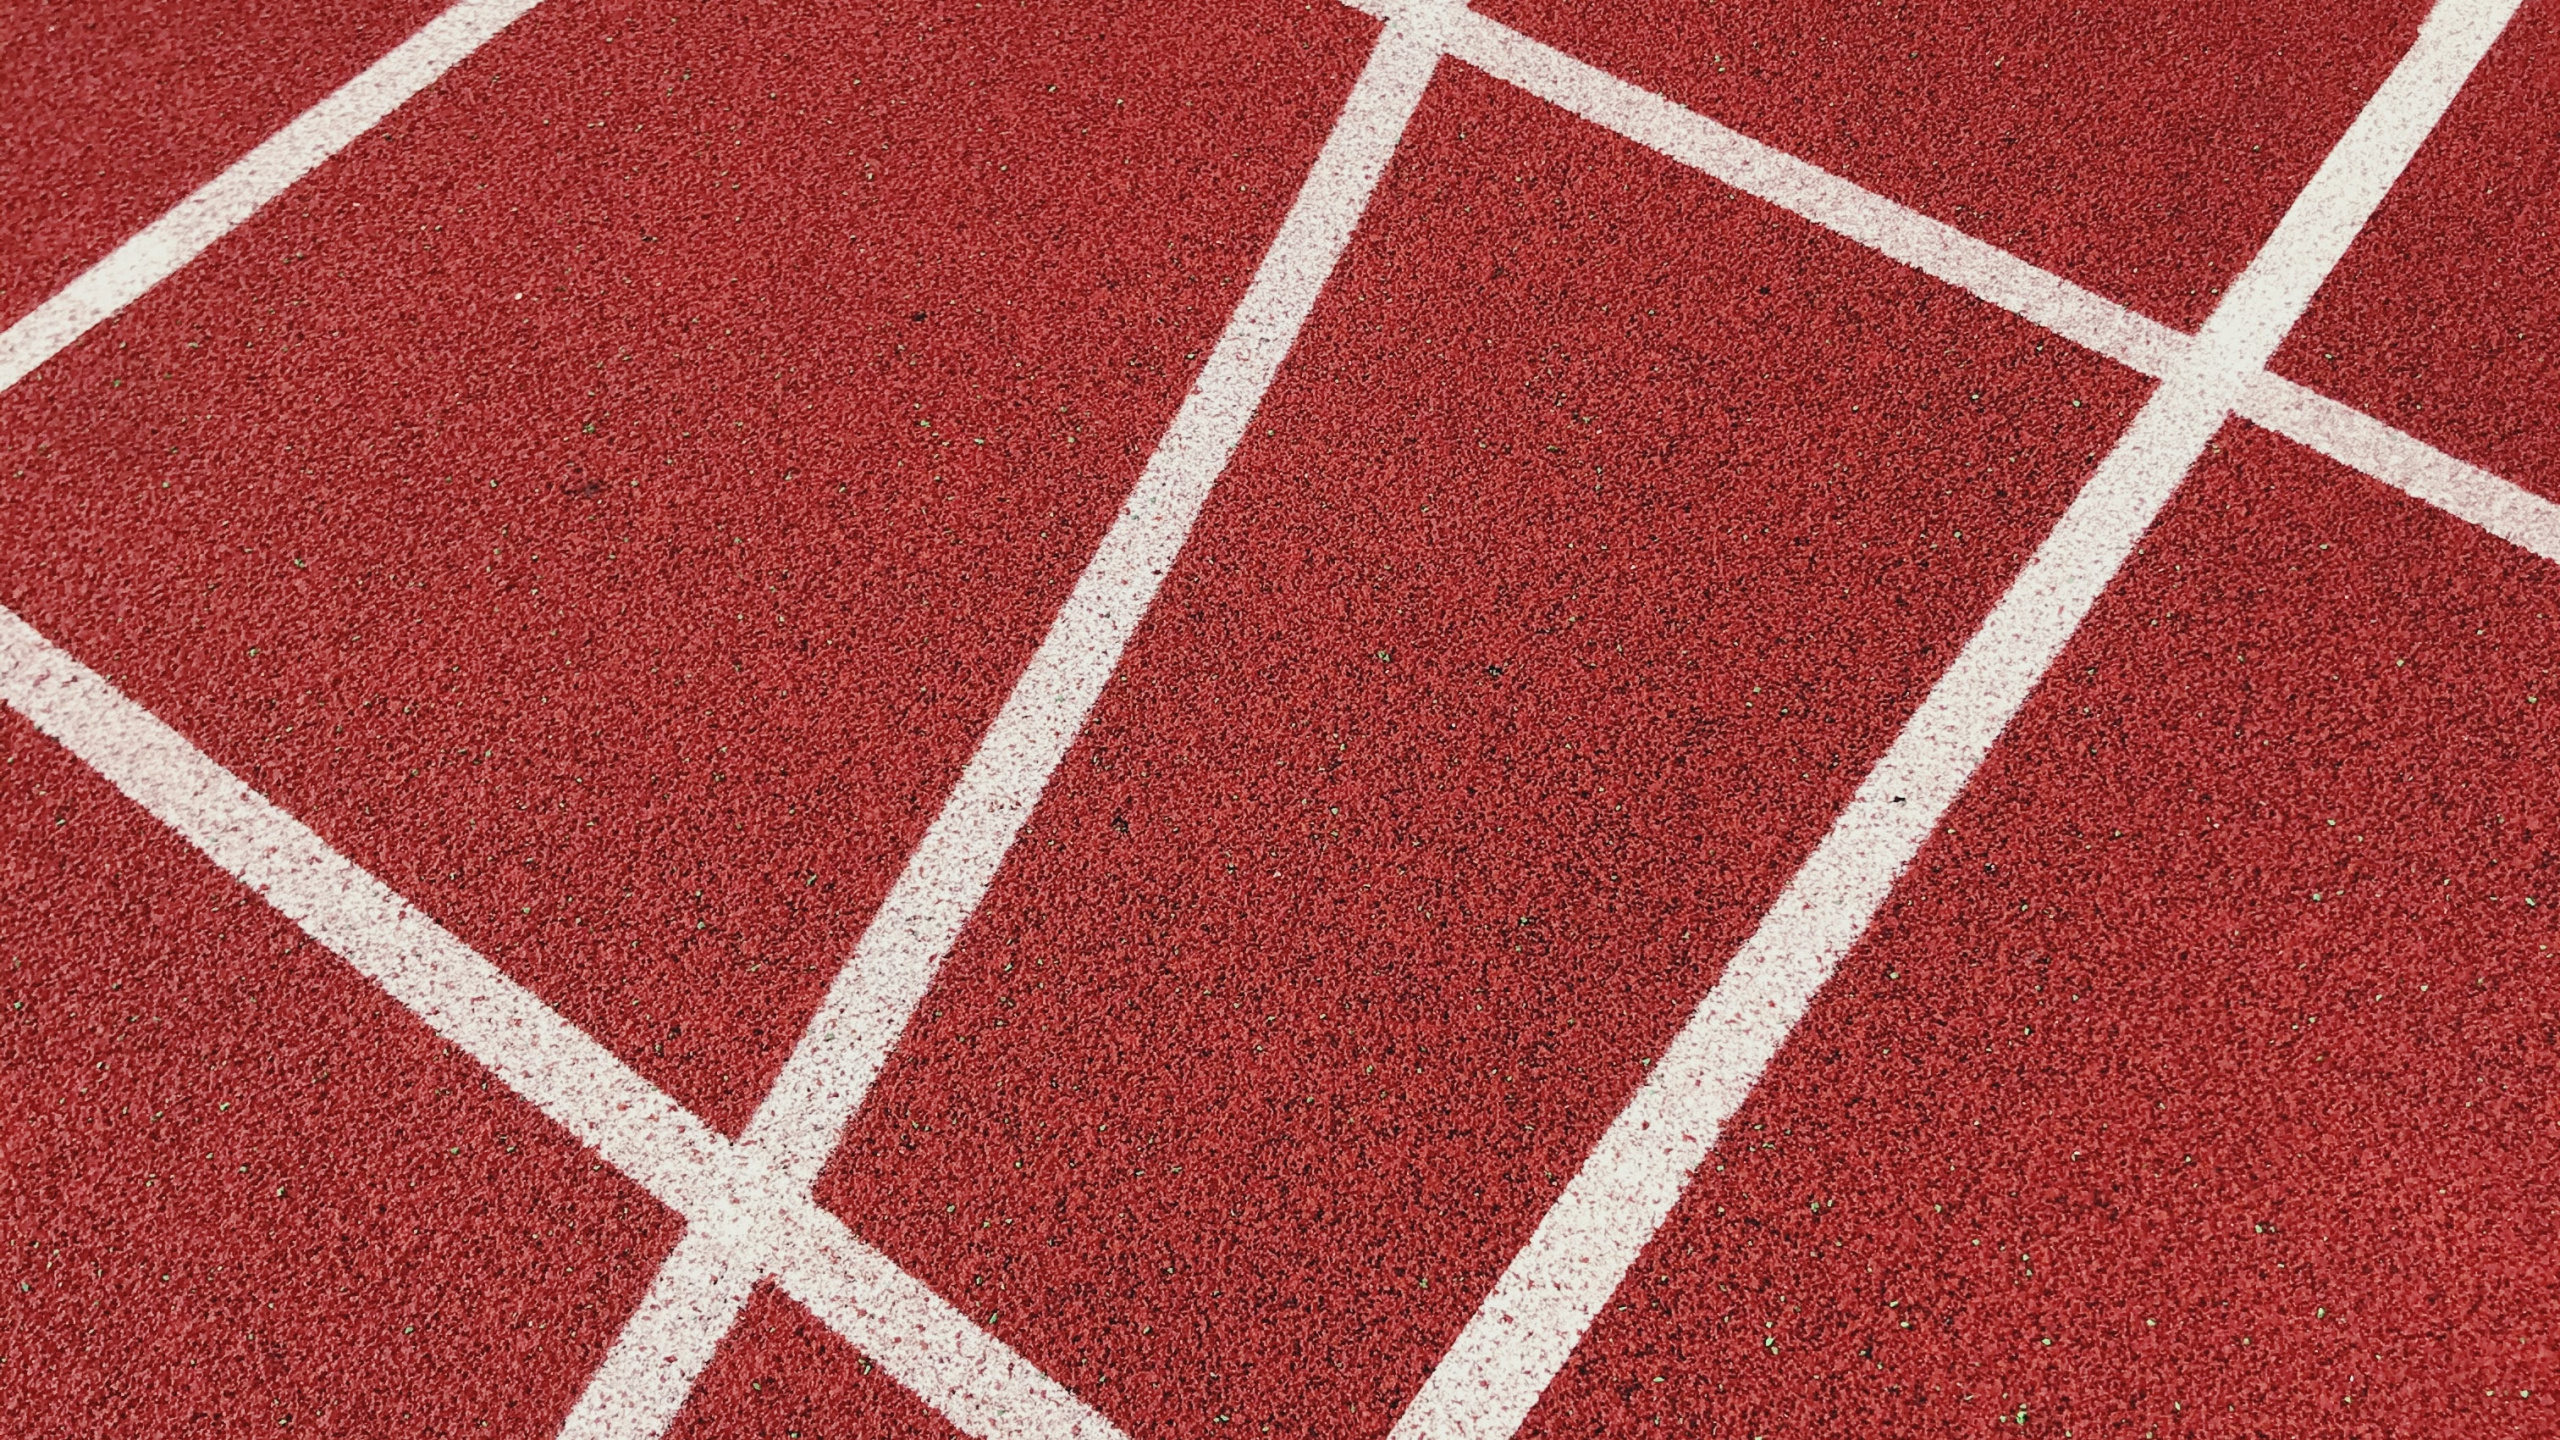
[217,207]
[1544,1302]
[721,1190]
[868,1006]
[650,1371]
[968,1376]
[2360,442]
[581,1085]
[1800,187]
[746,1204]
[974,1380]
[1982,270]
[643,1383]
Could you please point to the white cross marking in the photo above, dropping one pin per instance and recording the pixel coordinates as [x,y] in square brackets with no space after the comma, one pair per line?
[746,1203]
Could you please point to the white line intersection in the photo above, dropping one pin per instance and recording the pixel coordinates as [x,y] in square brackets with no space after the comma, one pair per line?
[1546,1300]
[746,1202]
[645,1380]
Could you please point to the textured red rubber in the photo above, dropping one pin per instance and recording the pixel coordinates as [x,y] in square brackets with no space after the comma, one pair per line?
[2142,150]
[246,1189]
[2198,1078]
[1556,604]
[112,114]
[651,478]
[2440,320]
[610,500]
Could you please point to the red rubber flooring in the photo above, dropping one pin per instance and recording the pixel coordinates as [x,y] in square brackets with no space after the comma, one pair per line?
[2440,318]
[246,1189]
[2142,150]
[2200,1076]
[610,499]
[1465,732]
[112,114]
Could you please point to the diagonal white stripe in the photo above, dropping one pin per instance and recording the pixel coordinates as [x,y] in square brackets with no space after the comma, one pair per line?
[1986,272]
[732,1199]
[2398,459]
[970,1376]
[697,1296]
[867,1007]
[218,206]
[1928,245]
[647,1376]
[1529,1325]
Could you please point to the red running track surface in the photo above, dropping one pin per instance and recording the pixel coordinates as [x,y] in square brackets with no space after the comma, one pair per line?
[610,499]
[112,114]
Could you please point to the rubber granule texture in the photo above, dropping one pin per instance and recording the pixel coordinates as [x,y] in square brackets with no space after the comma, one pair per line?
[611,499]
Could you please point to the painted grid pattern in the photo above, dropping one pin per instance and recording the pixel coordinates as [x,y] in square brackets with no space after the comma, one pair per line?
[746,1202]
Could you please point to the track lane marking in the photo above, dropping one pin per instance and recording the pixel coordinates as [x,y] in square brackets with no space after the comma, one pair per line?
[1544,1302]
[1987,272]
[1806,190]
[703,1286]
[981,1384]
[876,992]
[646,1377]
[1654,121]
[187,229]
[217,207]
[2398,459]
[735,1202]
